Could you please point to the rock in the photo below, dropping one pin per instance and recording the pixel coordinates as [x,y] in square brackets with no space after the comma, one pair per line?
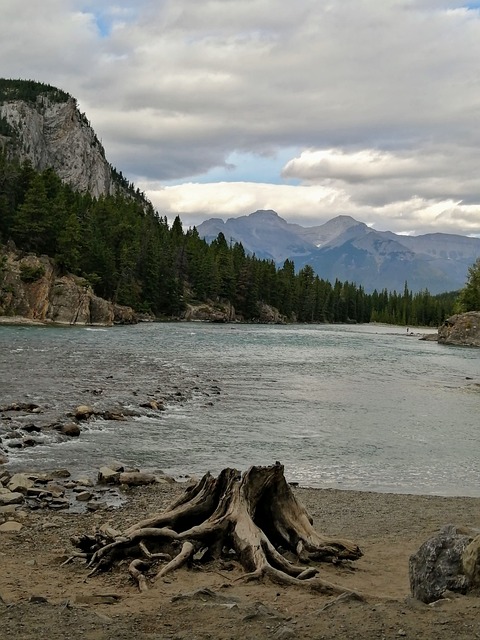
[60,473]
[71,429]
[462,329]
[438,565]
[116,466]
[70,302]
[8,508]
[83,412]
[58,136]
[50,297]
[107,476]
[35,492]
[55,489]
[15,444]
[31,428]
[151,404]
[219,312]
[112,415]
[84,496]
[84,482]
[59,503]
[29,407]
[20,483]
[270,315]
[123,315]
[3,458]
[11,527]
[471,561]
[10,497]
[29,442]
[134,479]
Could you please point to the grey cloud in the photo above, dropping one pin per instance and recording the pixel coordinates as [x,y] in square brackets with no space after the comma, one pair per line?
[177,86]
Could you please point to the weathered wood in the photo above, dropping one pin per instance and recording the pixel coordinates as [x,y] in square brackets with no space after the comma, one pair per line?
[136,568]
[255,516]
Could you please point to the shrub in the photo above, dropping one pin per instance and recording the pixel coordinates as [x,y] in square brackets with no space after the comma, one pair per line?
[30,273]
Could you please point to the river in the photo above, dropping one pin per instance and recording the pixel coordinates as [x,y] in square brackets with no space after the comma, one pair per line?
[363,407]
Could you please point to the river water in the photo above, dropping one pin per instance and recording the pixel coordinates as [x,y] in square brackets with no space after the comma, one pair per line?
[364,407]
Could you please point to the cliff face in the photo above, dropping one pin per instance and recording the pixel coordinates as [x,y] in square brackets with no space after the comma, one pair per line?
[31,288]
[462,329]
[56,135]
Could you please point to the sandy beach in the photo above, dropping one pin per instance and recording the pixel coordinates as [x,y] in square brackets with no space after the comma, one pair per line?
[40,598]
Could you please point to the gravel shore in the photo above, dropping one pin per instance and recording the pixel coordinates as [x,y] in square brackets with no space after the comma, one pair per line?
[40,598]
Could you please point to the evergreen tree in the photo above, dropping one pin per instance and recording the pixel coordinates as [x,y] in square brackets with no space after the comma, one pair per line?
[32,218]
[469,298]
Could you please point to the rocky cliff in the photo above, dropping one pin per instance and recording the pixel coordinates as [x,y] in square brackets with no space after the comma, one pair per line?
[462,329]
[53,134]
[225,312]
[31,288]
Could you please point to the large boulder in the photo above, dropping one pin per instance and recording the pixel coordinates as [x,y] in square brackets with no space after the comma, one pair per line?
[20,483]
[462,329]
[438,565]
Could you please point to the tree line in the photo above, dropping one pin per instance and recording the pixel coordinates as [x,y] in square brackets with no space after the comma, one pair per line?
[131,255]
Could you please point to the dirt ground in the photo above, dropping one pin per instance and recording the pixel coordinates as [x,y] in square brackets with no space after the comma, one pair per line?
[40,598]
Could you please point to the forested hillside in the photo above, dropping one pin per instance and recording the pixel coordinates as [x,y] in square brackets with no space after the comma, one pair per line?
[131,255]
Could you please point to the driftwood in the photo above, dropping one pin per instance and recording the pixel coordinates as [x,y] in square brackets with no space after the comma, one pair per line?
[253,519]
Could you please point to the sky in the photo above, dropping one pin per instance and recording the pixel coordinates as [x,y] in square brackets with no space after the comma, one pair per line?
[313,108]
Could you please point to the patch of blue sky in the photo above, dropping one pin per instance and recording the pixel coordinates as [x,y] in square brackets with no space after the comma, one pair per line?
[104,24]
[249,167]
[109,13]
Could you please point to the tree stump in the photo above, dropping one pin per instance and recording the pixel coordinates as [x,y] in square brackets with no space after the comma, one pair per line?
[254,518]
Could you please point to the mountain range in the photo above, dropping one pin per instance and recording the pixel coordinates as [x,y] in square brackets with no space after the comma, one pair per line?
[43,125]
[345,249]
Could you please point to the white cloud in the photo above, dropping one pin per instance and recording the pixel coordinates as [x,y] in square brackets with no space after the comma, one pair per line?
[383,97]
[312,205]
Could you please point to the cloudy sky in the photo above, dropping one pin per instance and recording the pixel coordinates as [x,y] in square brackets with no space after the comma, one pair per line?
[313,108]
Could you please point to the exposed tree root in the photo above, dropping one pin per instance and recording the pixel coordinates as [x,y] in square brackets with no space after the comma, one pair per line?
[136,568]
[254,518]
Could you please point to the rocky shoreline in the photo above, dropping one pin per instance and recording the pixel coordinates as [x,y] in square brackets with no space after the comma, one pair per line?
[57,490]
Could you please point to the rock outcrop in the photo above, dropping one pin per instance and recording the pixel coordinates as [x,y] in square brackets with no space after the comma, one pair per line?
[225,312]
[209,312]
[52,134]
[462,329]
[31,288]
[270,315]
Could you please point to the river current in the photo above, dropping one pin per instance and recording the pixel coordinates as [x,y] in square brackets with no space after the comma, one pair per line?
[363,407]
